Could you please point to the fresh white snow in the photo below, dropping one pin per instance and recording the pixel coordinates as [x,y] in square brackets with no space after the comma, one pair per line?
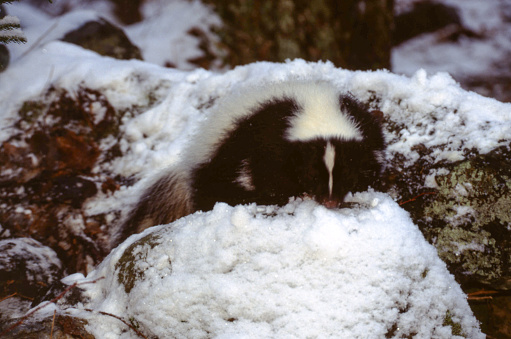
[300,271]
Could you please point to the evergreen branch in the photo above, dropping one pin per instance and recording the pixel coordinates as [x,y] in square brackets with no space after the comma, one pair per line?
[5,39]
[10,30]
[9,22]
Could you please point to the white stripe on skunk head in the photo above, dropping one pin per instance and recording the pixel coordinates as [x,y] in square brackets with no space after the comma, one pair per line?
[320,116]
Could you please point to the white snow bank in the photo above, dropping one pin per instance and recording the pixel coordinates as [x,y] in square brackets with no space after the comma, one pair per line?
[299,271]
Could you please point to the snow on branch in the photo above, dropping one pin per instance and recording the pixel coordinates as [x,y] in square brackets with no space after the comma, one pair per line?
[10,30]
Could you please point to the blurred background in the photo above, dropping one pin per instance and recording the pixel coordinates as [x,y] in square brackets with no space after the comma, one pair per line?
[469,39]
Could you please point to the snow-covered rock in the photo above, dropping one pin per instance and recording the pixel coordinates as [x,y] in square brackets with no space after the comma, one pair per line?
[27,270]
[297,271]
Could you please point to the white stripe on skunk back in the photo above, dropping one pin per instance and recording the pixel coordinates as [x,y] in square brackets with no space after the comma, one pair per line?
[265,145]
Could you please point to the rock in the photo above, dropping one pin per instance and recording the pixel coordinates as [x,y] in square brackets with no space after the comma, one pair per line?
[424,17]
[473,203]
[253,269]
[104,38]
[466,215]
[46,173]
[62,327]
[27,270]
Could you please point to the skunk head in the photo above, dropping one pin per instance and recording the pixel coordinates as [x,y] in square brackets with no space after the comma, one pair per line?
[302,139]
[336,148]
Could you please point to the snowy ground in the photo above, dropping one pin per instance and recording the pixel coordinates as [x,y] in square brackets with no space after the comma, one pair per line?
[387,266]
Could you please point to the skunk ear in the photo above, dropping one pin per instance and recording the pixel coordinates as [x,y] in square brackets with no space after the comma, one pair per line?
[378,115]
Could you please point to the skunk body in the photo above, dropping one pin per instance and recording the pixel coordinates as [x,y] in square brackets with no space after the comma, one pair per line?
[266,145]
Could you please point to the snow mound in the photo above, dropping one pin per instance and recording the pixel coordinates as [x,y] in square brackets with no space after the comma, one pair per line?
[265,272]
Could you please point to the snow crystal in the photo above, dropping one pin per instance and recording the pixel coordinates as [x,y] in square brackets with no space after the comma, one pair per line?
[299,271]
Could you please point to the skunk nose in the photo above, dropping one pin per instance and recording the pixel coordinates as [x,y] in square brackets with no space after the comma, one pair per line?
[330,202]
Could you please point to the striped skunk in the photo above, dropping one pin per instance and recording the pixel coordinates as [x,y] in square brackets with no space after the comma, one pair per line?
[265,145]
